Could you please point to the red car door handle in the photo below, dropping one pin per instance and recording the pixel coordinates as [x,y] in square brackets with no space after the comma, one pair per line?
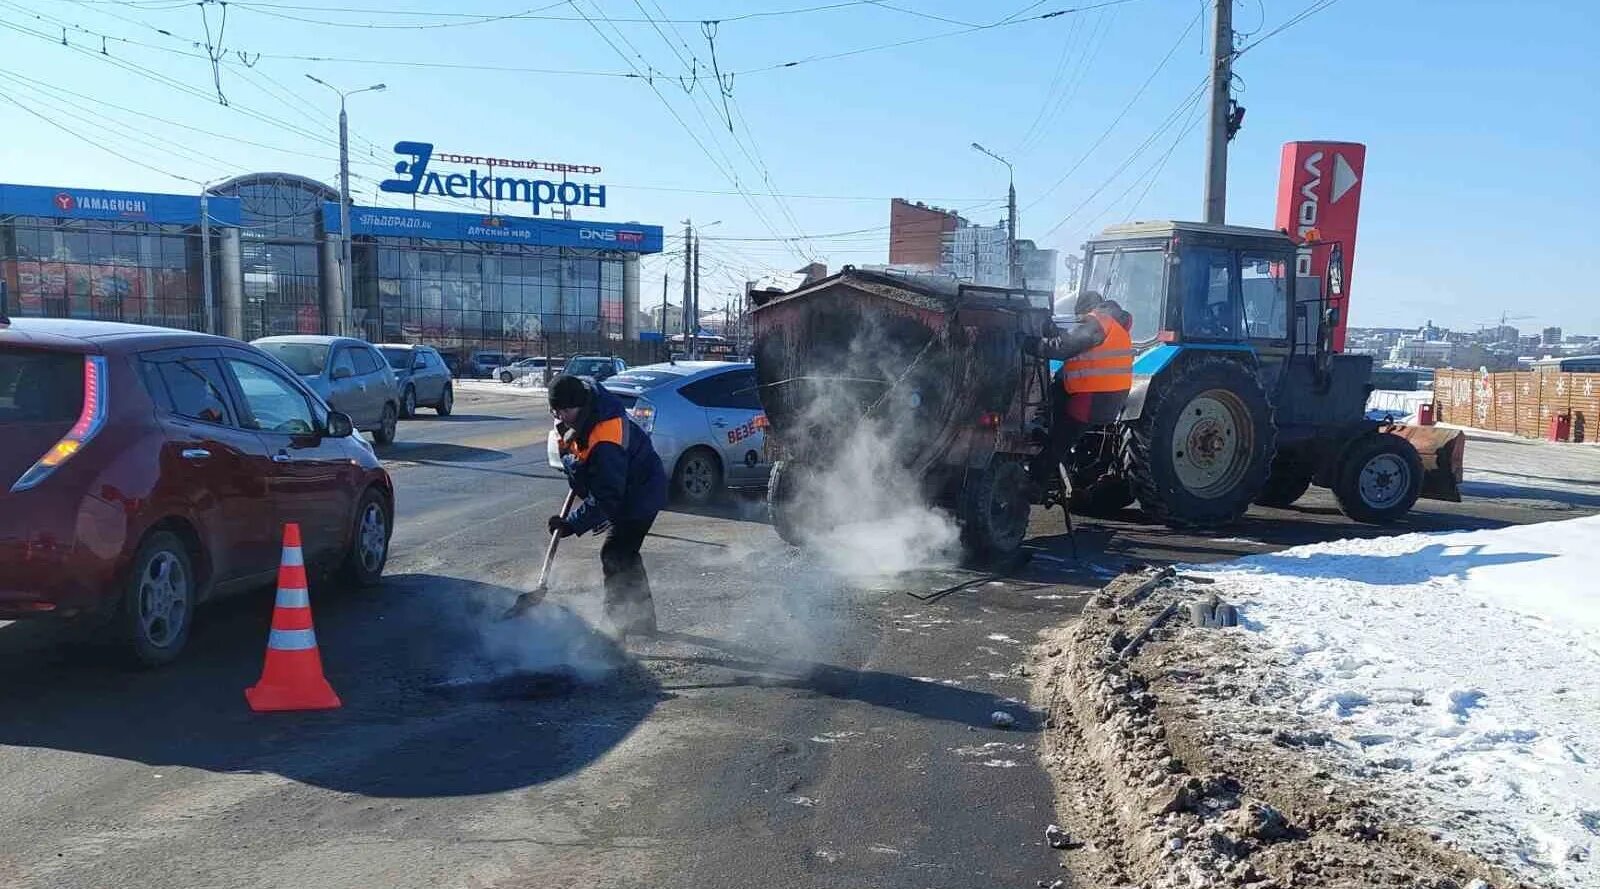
[282,457]
[195,453]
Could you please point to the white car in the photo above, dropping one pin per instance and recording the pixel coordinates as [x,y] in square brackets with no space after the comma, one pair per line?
[704,419]
[510,373]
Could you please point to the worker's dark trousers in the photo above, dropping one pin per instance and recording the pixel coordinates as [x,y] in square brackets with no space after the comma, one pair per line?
[1069,419]
[1071,415]
[628,602]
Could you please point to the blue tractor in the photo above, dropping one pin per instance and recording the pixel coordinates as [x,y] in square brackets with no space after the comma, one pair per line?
[1238,396]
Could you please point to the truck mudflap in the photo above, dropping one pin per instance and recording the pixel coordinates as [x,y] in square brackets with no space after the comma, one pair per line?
[1443,453]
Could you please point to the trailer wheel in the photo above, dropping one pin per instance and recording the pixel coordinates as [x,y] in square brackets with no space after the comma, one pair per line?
[1378,478]
[1103,499]
[1204,444]
[994,508]
[1288,482]
[782,502]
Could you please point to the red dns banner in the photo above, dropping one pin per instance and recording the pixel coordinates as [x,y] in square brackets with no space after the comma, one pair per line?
[1319,187]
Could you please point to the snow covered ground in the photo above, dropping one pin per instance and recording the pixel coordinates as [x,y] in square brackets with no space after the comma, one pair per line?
[1461,671]
[523,386]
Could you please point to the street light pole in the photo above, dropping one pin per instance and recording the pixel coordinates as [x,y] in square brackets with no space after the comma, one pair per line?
[346,288]
[208,293]
[1013,258]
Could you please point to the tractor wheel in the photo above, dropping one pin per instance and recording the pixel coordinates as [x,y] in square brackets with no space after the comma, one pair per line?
[1378,478]
[1287,483]
[994,508]
[783,507]
[1204,445]
[1104,498]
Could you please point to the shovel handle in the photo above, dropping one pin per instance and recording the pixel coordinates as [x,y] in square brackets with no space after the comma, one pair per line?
[555,539]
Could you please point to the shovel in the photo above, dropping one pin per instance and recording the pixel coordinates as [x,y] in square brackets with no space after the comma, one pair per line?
[533,597]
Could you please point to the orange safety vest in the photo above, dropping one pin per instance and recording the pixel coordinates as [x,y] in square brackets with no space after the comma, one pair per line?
[606,431]
[1107,367]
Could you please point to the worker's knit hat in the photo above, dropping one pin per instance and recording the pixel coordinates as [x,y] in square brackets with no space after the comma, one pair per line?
[569,391]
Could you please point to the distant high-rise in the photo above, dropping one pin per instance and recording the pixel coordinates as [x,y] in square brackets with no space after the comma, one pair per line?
[1552,336]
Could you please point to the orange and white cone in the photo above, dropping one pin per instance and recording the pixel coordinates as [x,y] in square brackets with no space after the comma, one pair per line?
[292,677]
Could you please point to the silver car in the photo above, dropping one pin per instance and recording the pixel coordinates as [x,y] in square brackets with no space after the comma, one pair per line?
[704,419]
[516,370]
[349,374]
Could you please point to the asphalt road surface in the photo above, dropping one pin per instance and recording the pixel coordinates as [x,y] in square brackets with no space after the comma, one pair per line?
[791,726]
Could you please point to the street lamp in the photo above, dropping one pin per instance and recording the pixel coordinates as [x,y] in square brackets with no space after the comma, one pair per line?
[1013,272]
[205,253]
[347,303]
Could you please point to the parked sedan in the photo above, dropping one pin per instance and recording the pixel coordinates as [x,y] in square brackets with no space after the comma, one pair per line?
[147,470]
[516,370]
[704,419]
[350,375]
[423,379]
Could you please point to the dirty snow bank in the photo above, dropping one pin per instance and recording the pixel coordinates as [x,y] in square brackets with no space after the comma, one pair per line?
[1460,672]
[1166,779]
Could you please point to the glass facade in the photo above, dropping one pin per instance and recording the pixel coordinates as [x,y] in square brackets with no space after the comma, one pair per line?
[139,272]
[280,253]
[457,281]
[500,297]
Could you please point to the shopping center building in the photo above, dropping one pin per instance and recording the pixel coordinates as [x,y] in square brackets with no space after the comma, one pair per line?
[459,281]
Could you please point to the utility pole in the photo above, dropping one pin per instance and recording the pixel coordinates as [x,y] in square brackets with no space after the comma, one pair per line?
[205,260]
[1015,256]
[695,315]
[663,308]
[1217,136]
[688,277]
[346,286]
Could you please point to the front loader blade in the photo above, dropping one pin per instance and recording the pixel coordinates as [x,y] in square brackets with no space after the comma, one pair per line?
[1443,453]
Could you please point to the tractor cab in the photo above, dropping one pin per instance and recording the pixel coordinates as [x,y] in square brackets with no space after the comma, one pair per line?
[1204,286]
[1238,393]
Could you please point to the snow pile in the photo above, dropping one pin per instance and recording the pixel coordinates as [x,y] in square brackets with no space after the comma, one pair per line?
[1461,671]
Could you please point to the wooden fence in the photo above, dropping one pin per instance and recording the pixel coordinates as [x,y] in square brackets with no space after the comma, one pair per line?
[1519,402]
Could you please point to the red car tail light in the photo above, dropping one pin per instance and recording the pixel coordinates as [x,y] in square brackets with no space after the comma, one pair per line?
[90,420]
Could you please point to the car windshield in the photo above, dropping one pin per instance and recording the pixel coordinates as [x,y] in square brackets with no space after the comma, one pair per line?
[641,378]
[399,359]
[40,387]
[588,367]
[1134,278]
[305,359]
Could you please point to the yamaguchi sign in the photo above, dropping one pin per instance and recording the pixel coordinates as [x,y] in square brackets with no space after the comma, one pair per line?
[477,185]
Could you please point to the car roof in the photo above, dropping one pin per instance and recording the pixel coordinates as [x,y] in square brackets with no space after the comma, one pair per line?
[403,346]
[104,336]
[310,339]
[687,368]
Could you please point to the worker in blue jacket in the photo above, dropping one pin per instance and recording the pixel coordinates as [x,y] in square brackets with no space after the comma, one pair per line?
[618,479]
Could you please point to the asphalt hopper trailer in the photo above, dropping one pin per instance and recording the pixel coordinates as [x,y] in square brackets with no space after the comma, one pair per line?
[918,380]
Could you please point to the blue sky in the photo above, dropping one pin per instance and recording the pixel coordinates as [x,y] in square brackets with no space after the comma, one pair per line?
[1479,119]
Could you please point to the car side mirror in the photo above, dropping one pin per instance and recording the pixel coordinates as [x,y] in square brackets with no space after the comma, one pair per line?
[342,372]
[340,425]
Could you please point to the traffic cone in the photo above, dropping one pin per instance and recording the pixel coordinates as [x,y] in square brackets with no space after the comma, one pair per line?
[292,676]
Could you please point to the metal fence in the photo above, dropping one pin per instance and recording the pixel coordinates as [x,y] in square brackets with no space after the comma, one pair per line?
[1521,403]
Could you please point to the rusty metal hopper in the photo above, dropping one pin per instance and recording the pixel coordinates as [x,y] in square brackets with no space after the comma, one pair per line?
[922,357]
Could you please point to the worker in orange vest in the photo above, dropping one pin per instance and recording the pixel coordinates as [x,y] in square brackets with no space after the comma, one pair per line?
[1094,379]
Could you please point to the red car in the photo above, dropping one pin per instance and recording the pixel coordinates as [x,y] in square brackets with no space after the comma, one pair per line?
[144,471]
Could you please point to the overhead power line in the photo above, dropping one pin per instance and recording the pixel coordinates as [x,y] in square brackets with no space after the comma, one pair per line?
[648,73]
[1304,14]
[97,144]
[1172,118]
[1121,114]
